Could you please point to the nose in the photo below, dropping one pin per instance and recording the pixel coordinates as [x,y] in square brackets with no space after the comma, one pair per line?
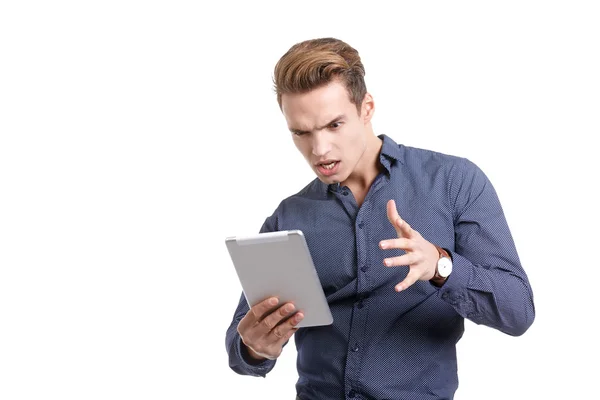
[321,145]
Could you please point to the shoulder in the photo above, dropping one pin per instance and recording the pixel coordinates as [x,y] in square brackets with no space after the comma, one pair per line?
[430,162]
[425,157]
[459,176]
[314,190]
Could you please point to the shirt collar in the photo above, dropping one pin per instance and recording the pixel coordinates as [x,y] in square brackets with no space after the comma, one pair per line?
[390,152]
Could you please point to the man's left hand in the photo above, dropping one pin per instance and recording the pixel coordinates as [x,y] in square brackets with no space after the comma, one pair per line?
[421,256]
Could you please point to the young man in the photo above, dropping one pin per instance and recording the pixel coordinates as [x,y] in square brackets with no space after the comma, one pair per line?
[407,243]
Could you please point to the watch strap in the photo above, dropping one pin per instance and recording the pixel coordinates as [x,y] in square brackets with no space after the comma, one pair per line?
[437,279]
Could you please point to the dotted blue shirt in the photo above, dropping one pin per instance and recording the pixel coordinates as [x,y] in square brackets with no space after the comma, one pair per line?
[383,344]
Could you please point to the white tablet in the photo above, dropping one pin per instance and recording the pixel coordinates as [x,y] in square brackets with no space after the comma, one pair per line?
[279,264]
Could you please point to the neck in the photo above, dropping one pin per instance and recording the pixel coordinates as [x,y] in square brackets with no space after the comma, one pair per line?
[368,167]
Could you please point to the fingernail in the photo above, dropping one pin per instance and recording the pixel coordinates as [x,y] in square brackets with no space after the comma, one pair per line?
[387,262]
[382,245]
[273,301]
[298,317]
[399,221]
[398,288]
[289,307]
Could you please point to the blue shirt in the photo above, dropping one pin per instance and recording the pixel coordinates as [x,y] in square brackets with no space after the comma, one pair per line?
[384,344]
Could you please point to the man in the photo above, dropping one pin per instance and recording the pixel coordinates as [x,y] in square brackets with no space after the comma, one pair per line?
[407,243]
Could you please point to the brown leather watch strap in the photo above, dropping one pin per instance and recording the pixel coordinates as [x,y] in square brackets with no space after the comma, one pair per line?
[438,280]
[443,252]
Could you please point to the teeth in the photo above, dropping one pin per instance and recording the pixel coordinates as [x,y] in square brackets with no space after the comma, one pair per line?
[328,166]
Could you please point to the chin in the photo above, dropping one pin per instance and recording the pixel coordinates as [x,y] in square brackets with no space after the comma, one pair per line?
[326,180]
[338,177]
[330,180]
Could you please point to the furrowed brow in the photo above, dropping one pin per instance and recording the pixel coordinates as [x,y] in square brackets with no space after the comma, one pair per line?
[333,121]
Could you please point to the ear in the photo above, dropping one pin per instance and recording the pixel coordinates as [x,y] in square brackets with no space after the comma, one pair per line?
[367,108]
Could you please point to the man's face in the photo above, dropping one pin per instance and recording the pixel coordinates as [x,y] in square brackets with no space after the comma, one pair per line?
[328,130]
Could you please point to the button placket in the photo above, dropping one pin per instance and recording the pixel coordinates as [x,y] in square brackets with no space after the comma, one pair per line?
[358,326]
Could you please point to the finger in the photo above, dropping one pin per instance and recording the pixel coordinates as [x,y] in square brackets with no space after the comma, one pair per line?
[403,260]
[400,243]
[289,335]
[256,313]
[401,226]
[412,277]
[263,308]
[272,320]
[405,229]
[393,216]
[282,331]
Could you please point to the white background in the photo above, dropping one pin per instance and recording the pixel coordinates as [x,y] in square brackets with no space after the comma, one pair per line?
[136,136]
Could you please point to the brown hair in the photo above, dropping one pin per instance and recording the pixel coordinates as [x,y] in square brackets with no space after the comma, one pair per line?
[314,63]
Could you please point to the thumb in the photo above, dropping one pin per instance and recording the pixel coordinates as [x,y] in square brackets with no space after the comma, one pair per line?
[394,217]
[411,278]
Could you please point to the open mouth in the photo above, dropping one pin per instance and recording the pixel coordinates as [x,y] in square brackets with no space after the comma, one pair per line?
[328,168]
[330,165]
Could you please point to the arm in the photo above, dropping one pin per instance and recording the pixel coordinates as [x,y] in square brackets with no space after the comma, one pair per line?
[239,358]
[488,284]
[256,337]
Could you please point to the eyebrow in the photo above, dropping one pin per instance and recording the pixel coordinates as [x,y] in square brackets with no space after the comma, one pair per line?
[336,119]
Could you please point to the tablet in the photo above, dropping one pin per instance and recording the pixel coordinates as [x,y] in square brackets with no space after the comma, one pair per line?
[279,264]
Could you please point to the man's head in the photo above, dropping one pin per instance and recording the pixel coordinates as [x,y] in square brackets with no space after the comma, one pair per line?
[322,93]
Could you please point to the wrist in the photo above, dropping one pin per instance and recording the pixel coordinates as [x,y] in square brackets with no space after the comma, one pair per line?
[254,355]
[443,267]
[249,355]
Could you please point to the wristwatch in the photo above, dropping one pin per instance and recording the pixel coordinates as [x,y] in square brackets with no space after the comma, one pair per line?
[443,268]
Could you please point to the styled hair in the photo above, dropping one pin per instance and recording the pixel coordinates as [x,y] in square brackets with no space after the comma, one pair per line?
[314,63]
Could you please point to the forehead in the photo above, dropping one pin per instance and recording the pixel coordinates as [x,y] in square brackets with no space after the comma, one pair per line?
[317,106]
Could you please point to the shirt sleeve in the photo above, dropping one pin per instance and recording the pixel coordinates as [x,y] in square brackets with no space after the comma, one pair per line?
[239,359]
[488,284]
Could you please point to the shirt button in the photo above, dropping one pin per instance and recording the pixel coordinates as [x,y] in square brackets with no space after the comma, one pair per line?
[355,348]
[361,224]
[445,295]
[364,268]
[351,393]
[345,193]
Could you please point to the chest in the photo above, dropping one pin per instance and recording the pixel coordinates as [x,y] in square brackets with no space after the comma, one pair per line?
[344,237]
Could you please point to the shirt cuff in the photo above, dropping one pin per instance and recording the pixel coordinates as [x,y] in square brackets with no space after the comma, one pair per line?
[257,368]
[454,290]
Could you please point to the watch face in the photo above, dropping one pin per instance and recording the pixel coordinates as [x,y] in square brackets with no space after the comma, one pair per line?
[444,267]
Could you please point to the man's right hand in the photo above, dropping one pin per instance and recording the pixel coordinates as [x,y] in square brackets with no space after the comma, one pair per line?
[264,330]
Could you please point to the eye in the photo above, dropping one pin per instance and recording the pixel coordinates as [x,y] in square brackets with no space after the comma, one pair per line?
[335,125]
[299,133]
